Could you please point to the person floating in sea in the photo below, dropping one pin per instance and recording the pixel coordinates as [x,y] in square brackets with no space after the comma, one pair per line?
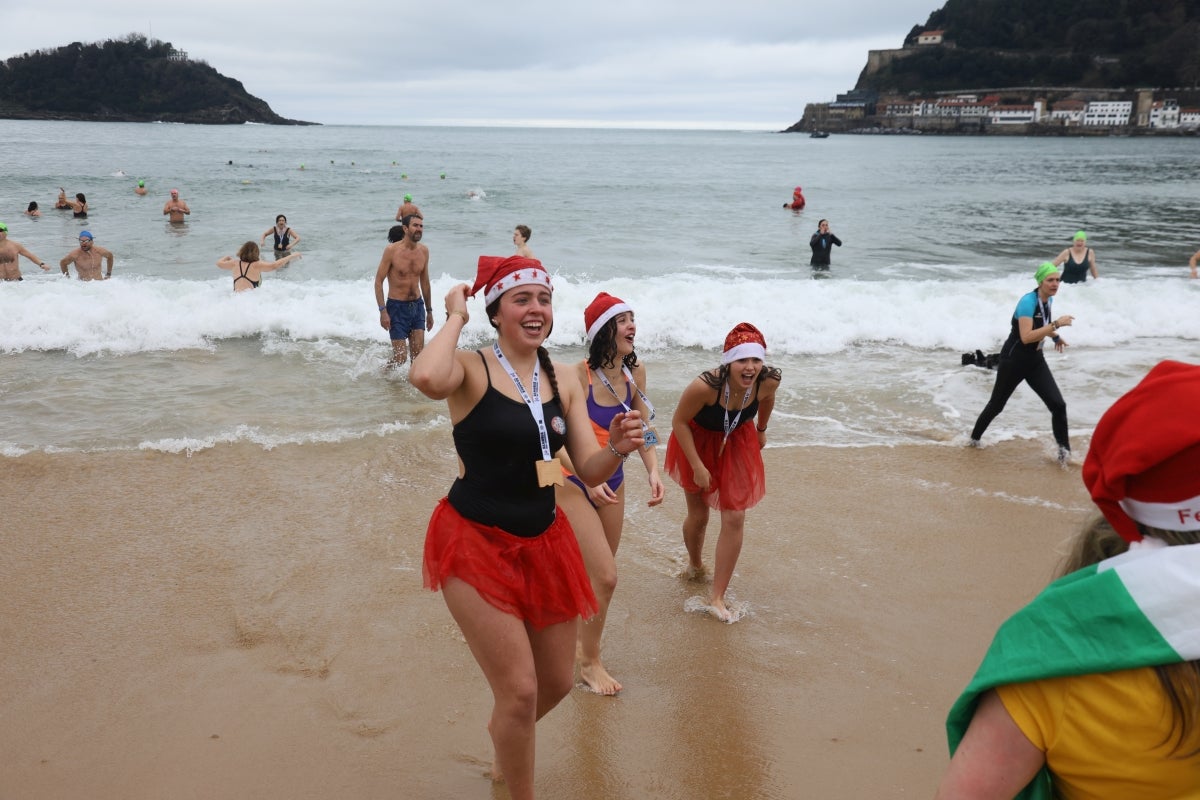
[33,210]
[1021,359]
[407,209]
[521,236]
[797,200]
[87,258]
[822,245]
[715,452]
[140,189]
[10,257]
[1091,689]
[61,203]
[1079,260]
[503,555]
[175,209]
[248,266]
[407,313]
[285,238]
[614,381]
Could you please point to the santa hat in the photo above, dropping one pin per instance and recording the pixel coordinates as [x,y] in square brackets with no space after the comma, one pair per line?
[601,310]
[496,275]
[1144,461]
[744,341]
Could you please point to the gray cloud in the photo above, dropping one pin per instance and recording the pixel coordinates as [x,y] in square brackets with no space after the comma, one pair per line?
[630,61]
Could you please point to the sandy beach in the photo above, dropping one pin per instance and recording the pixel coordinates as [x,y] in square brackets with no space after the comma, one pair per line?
[247,623]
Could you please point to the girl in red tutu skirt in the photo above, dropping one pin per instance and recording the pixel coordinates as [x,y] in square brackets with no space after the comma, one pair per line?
[503,555]
[715,451]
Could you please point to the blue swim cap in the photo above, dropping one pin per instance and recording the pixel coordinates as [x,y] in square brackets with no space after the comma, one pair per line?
[86,235]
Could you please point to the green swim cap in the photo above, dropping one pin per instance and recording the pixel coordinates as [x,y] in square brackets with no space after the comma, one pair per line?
[141,183]
[408,198]
[1078,235]
[3,227]
[1043,271]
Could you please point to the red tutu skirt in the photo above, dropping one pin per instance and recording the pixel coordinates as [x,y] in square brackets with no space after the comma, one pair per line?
[738,478]
[540,579]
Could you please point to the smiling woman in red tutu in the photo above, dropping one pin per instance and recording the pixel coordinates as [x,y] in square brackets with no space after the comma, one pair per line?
[504,556]
[717,435]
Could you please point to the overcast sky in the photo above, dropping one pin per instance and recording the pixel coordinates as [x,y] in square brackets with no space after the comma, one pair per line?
[662,63]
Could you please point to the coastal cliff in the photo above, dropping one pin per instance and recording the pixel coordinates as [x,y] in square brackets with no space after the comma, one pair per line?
[128,80]
[1000,59]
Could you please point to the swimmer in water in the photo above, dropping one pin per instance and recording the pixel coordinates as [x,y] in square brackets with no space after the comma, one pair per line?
[10,254]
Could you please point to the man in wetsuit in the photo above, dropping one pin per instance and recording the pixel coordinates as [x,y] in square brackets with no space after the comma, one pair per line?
[87,258]
[1021,359]
[821,242]
[407,314]
[10,256]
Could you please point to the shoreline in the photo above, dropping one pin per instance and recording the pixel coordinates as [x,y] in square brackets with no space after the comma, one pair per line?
[246,622]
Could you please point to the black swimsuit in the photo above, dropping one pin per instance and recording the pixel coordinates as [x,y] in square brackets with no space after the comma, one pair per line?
[244,267]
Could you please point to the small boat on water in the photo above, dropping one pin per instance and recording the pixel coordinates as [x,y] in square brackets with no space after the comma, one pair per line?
[819,135]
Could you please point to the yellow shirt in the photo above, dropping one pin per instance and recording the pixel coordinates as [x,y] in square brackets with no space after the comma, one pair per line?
[1107,736]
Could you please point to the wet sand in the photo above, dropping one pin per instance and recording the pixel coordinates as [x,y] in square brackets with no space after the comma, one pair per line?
[250,623]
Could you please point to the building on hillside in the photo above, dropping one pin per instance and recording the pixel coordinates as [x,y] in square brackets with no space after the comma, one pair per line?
[1164,114]
[1108,112]
[1189,118]
[1007,114]
[930,37]
[1068,112]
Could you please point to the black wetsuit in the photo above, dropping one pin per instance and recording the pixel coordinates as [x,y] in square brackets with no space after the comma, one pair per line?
[1076,273]
[820,244]
[499,447]
[1025,362]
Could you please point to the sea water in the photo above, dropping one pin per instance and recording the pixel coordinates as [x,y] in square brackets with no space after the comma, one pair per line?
[940,236]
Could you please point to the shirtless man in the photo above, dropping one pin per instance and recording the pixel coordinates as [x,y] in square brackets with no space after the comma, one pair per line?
[405,265]
[10,256]
[140,189]
[407,209]
[87,258]
[175,208]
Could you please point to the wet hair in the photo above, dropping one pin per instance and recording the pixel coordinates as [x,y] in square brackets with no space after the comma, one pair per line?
[602,352]
[408,218]
[248,252]
[543,354]
[524,229]
[280,217]
[79,196]
[395,233]
[822,222]
[32,206]
[1180,682]
[716,377]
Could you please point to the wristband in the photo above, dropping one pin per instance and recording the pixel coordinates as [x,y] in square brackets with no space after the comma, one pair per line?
[383,308]
[616,452]
[761,430]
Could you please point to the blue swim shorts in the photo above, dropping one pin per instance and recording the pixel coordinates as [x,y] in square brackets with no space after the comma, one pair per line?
[406,316]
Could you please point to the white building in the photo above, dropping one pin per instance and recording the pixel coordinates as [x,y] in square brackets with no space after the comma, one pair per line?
[930,37]
[1164,114]
[1189,118]
[1068,112]
[1017,115]
[1108,112]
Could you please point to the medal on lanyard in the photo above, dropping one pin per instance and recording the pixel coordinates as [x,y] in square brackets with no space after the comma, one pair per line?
[649,435]
[549,470]
[729,426]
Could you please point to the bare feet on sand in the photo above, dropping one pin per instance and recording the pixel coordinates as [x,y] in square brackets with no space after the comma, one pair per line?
[719,609]
[596,678]
[696,572]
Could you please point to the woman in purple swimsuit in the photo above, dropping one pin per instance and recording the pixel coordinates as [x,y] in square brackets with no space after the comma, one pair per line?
[615,382]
